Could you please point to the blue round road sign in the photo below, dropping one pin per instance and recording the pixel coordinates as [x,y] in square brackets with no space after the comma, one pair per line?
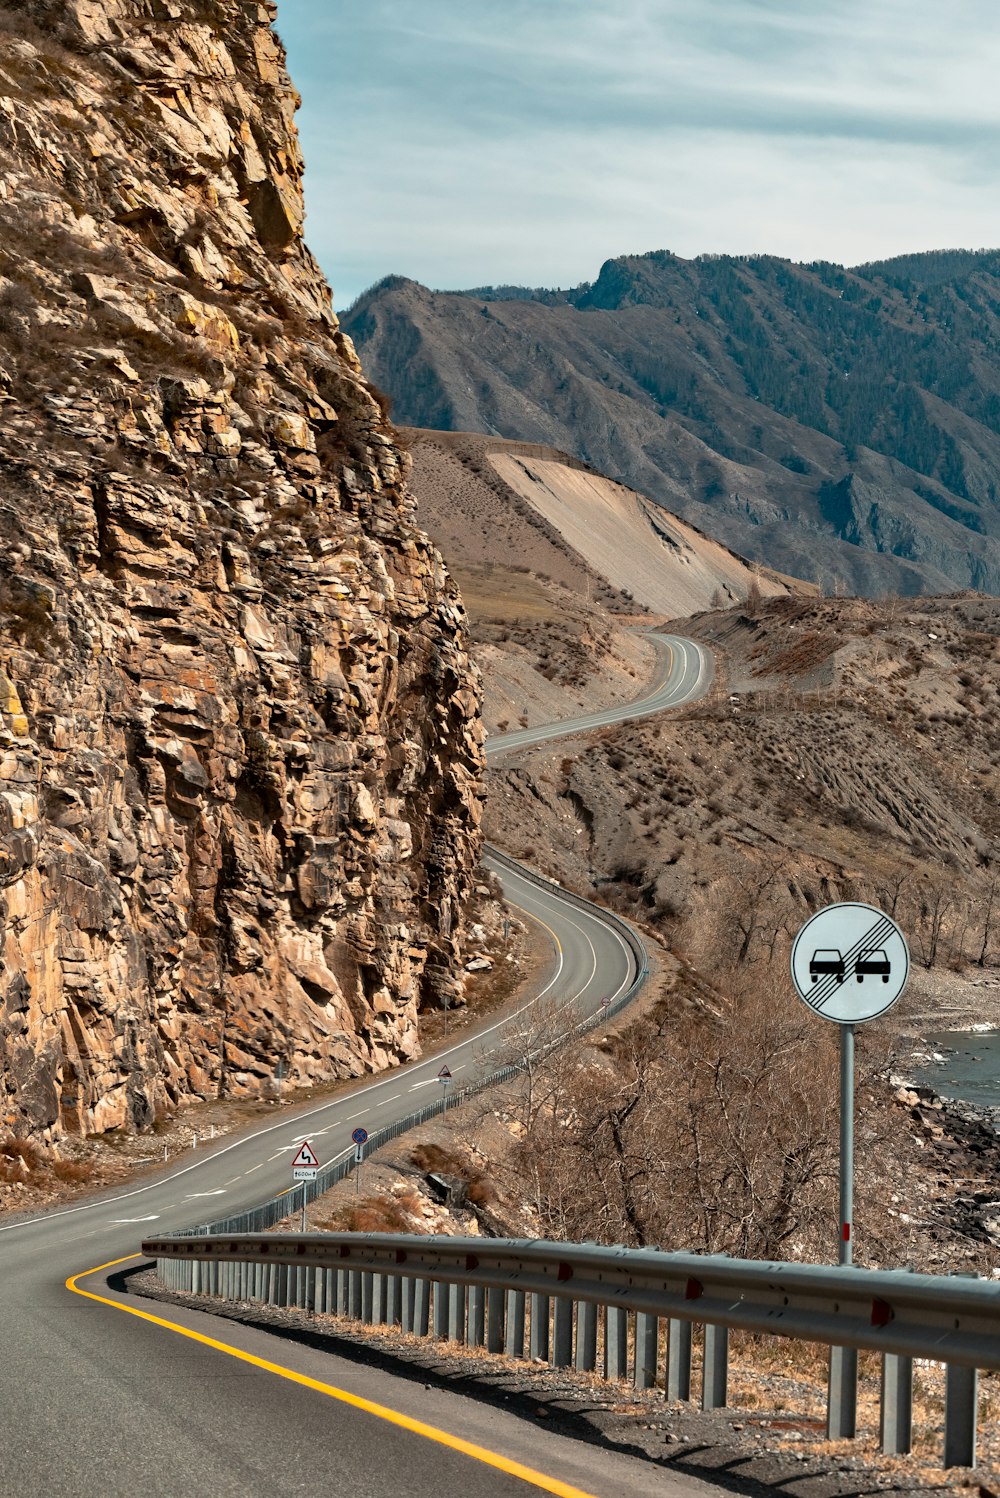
[360,1136]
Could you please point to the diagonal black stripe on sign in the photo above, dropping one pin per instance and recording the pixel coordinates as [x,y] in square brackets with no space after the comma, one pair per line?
[828,986]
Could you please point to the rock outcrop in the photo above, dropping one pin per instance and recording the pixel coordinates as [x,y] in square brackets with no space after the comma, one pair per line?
[240,747]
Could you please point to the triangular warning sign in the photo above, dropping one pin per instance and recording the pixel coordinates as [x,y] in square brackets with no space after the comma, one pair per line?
[306,1155]
[444,1075]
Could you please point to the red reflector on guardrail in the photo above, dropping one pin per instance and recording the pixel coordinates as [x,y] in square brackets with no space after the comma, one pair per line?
[471,1261]
[882,1312]
[564,1272]
[693,1290]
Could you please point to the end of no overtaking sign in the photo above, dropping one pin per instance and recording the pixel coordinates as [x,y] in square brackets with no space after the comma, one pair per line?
[850,963]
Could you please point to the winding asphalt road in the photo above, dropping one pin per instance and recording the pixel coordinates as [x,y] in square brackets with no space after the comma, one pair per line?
[102,1398]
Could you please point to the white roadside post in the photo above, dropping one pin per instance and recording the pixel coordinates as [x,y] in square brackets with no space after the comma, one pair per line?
[444,1077]
[849,964]
[305,1168]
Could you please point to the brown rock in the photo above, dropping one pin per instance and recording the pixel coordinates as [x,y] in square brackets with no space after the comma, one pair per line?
[240,751]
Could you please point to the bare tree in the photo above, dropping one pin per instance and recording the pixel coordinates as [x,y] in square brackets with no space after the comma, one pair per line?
[891,888]
[991,895]
[936,899]
[752,910]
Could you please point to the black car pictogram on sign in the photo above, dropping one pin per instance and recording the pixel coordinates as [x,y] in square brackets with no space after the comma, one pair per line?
[872,963]
[826,961]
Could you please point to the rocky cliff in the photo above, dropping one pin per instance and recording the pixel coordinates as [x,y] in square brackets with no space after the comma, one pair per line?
[240,749]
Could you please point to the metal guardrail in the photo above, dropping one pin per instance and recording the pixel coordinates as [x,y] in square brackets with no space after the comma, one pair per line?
[546,1300]
[259,1219]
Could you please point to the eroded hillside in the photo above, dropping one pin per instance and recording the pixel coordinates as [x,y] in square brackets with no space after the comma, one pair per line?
[240,738]
[850,750]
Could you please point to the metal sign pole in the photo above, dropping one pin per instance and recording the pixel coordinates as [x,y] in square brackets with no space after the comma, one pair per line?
[304,1184]
[842,1406]
[846,1254]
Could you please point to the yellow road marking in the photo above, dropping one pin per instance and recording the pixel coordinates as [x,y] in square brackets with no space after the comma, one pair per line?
[417,1427]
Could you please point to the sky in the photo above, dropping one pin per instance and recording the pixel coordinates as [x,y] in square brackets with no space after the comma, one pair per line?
[527,141]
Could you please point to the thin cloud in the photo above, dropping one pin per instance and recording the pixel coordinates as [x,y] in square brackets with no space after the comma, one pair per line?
[461,144]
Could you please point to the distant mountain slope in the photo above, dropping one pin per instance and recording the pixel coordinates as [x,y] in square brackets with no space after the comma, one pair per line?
[488,501]
[842,425]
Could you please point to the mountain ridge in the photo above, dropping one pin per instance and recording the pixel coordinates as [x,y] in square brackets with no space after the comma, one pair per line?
[842,425]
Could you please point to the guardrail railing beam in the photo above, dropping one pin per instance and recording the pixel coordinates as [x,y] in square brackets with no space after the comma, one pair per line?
[481,1285]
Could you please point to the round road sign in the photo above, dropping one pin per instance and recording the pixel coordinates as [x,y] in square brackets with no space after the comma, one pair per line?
[850,963]
[359,1136]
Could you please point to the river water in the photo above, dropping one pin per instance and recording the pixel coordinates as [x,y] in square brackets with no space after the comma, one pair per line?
[970,1069]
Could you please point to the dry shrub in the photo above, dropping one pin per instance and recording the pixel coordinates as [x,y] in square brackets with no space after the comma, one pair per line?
[71,1171]
[707,1133]
[17,1158]
[380,1214]
[433,1157]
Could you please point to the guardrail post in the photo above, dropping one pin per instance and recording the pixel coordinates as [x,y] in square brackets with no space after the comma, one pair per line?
[300,1286]
[514,1340]
[477,1316]
[538,1346]
[961,1406]
[715,1374]
[562,1332]
[842,1399]
[367,1295]
[393,1299]
[495,1299]
[440,1309]
[456,1313]
[409,1298]
[422,1308]
[615,1342]
[283,1286]
[678,1360]
[646,1338]
[354,1292]
[343,1301]
[380,1296]
[586,1336]
[195,1278]
[896,1404]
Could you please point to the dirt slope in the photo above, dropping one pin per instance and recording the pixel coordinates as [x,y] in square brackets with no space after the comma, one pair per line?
[638,546]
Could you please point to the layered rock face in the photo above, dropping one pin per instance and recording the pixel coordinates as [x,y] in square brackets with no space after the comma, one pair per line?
[240,748]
